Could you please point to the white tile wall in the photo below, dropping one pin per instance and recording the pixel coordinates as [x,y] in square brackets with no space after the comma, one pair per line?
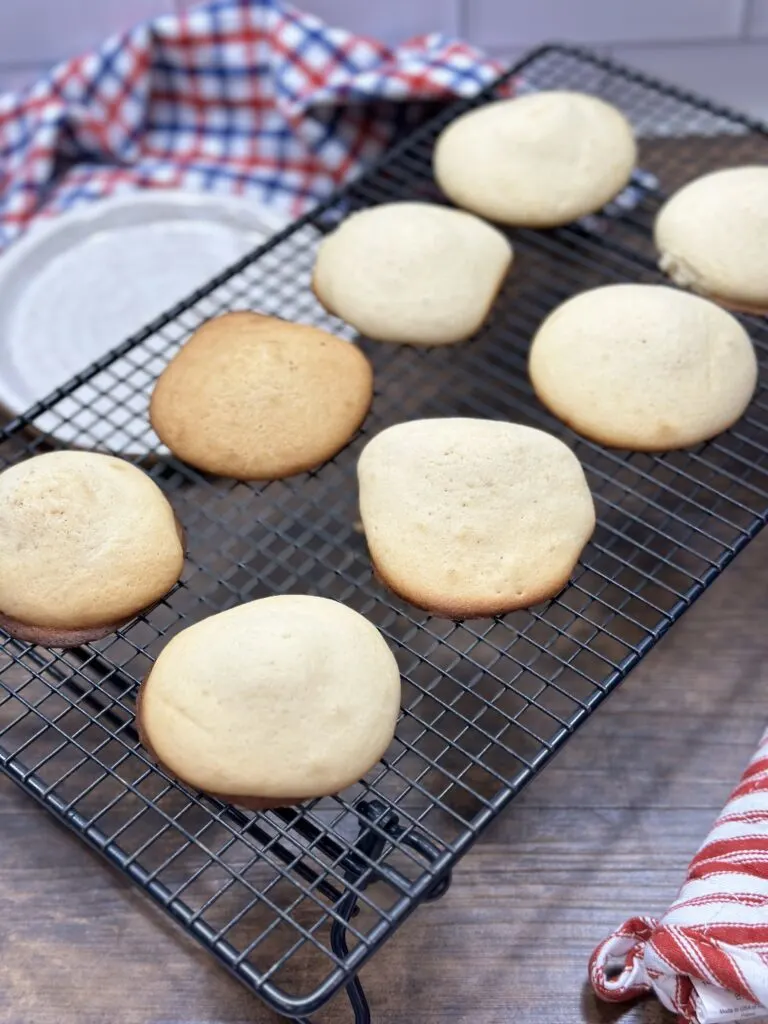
[47,30]
[736,74]
[717,47]
[12,79]
[757,21]
[527,22]
[390,21]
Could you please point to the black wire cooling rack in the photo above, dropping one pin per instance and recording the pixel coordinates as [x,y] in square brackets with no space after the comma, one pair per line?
[294,902]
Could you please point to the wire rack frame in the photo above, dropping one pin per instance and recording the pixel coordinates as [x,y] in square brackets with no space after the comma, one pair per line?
[294,902]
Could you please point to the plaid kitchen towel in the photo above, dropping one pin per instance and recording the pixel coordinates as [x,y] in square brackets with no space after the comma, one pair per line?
[707,958]
[236,96]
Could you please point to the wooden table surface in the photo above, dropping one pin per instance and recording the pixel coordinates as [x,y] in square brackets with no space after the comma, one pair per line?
[604,832]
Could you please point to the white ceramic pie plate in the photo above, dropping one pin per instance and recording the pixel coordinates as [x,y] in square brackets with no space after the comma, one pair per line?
[76,286]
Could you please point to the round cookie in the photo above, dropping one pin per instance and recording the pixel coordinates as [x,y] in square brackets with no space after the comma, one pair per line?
[277,701]
[412,273]
[258,398]
[469,518]
[643,367]
[539,160]
[87,541]
[712,237]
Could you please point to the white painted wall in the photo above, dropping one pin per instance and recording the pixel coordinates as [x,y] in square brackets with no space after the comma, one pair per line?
[716,47]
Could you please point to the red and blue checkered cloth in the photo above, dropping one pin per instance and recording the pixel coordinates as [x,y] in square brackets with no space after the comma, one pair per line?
[236,96]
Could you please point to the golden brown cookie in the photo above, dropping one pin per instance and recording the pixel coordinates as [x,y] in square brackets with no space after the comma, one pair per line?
[258,398]
[412,273]
[643,367]
[538,160]
[712,237]
[468,518]
[276,701]
[87,541]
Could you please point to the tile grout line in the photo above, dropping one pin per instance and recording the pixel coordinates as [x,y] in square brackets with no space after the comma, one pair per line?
[747,10]
[462,18]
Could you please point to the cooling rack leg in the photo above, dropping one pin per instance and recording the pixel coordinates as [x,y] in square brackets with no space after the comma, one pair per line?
[440,888]
[376,811]
[354,990]
[371,844]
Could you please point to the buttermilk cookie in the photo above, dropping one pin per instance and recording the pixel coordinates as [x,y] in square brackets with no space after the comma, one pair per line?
[643,367]
[712,237]
[87,541]
[469,518]
[258,398]
[412,273]
[538,161]
[271,703]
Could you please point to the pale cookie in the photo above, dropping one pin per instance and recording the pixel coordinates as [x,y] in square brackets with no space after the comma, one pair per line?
[468,518]
[643,367]
[87,541]
[539,160]
[712,237]
[276,701]
[412,273]
[258,398]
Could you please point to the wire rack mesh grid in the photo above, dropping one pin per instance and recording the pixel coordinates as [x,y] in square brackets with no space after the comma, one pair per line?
[486,702]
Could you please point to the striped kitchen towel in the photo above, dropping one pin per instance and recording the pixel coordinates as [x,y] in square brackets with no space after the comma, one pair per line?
[234,96]
[707,957]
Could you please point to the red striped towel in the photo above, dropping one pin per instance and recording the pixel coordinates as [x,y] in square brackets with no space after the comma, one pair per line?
[707,957]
